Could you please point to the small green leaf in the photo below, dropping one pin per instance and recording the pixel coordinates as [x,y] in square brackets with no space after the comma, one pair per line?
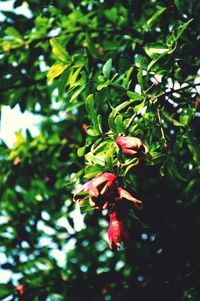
[127,78]
[89,103]
[170,119]
[63,82]
[134,95]
[139,108]
[154,18]
[55,71]
[183,28]
[77,93]
[74,76]
[92,131]
[99,123]
[140,77]
[92,171]
[59,51]
[120,127]
[85,206]
[155,49]
[178,4]
[107,68]
[13,32]
[81,151]
[130,166]
[104,85]
[115,111]
[186,115]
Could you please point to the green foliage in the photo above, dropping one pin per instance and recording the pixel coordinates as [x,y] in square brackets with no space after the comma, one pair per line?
[95,70]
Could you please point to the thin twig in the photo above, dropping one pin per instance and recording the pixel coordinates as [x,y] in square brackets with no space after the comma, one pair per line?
[175,91]
[130,122]
[161,128]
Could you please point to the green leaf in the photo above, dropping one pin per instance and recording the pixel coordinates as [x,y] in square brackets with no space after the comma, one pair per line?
[178,4]
[167,117]
[186,115]
[128,168]
[183,28]
[55,71]
[63,82]
[85,206]
[13,32]
[73,77]
[77,93]
[127,80]
[104,85]
[134,95]
[59,51]
[95,159]
[140,77]
[155,49]
[154,18]
[89,103]
[92,131]
[99,124]
[81,151]
[120,127]
[107,68]
[139,108]
[19,139]
[92,171]
[115,111]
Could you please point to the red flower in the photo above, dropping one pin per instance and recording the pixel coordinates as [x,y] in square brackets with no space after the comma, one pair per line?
[117,232]
[101,190]
[20,289]
[131,146]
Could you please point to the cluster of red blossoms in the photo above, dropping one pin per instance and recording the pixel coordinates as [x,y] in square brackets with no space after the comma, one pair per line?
[105,193]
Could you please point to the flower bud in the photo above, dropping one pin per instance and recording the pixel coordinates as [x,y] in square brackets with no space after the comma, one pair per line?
[131,146]
[117,232]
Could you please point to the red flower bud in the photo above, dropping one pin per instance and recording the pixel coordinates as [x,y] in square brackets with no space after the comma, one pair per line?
[131,145]
[117,232]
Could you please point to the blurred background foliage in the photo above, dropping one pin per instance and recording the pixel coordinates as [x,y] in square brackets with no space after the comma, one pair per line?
[94,70]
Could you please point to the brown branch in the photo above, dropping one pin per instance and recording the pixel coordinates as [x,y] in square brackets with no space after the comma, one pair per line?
[175,91]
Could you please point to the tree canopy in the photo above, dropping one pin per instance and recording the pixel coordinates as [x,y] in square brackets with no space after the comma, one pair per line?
[94,71]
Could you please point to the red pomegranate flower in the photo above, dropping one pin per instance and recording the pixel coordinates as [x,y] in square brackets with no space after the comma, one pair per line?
[131,146]
[20,289]
[101,190]
[117,232]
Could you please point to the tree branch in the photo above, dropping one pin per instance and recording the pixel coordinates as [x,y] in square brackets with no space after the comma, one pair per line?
[175,90]
[158,96]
